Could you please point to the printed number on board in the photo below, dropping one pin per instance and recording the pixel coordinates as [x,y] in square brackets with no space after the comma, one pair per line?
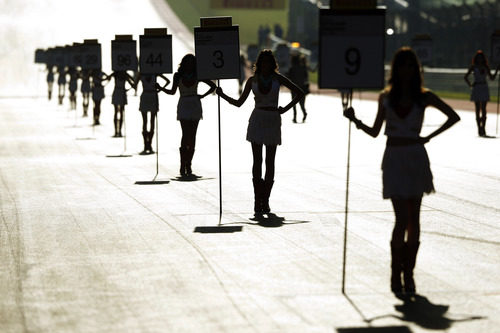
[152,60]
[219,59]
[352,58]
[124,60]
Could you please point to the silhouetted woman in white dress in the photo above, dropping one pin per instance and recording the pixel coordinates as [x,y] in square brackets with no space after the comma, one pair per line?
[264,125]
[406,172]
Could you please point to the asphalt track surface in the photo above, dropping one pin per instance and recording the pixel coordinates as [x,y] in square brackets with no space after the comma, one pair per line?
[85,249]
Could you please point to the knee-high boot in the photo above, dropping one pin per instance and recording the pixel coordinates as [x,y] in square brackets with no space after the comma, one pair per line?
[182,154]
[410,259]
[258,185]
[189,159]
[397,255]
[266,193]
[145,139]
[483,126]
[149,142]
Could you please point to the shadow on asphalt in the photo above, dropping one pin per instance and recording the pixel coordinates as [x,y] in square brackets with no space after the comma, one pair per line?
[419,310]
[271,220]
[191,178]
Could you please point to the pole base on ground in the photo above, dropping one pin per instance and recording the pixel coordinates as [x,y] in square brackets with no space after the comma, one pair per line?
[151,182]
[220,229]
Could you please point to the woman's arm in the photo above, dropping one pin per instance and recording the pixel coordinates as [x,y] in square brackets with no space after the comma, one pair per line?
[167,81]
[466,76]
[492,77]
[299,94]
[172,90]
[243,97]
[379,120]
[210,90]
[433,100]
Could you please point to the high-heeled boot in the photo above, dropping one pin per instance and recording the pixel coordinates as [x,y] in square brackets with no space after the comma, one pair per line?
[410,258]
[182,154]
[258,185]
[266,193]
[397,254]
[145,139]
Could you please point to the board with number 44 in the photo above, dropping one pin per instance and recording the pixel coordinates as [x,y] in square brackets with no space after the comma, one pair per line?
[155,54]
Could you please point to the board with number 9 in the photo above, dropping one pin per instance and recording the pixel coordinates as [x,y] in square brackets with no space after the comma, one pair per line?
[352,49]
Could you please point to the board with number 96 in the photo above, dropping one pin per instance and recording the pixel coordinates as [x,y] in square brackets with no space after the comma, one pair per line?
[352,49]
[123,55]
[217,53]
[155,54]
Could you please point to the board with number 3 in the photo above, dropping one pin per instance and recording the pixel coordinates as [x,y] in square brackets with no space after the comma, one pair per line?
[155,54]
[217,52]
[352,49]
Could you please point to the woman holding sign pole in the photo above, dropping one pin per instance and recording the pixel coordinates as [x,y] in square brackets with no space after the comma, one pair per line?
[406,170]
[148,104]
[189,111]
[119,98]
[264,126]
[480,93]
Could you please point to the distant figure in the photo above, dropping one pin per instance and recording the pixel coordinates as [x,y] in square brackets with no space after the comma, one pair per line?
[243,76]
[97,93]
[278,30]
[189,111]
[85,89]
[405,166]
[73,86]
[50,79]
[264,126]
[61,81]
[480,93]
[261,36]
[299,74]
[148,104]
[119,98]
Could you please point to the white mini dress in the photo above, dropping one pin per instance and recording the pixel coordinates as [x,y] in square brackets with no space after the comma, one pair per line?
[406,169]
[119,96]
[480,91]
[149,96]
[189,105]
[264,127]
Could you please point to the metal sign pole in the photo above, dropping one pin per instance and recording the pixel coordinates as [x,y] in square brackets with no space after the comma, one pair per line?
[220,156]
[346,103]
[498,101]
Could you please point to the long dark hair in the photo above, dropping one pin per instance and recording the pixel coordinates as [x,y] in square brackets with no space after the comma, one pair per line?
[184,62]
[479,53]
[264,55]
[401,56]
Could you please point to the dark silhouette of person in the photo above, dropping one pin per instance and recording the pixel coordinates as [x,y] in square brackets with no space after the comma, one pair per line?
[73,86]
[278,30]
[61,81]
[243,76]
[50,79]
[480,93]
[299,74]
[119,98]
[148,104]
[97,93]
[189,110]
[406,172]
[264,127]
[85,90]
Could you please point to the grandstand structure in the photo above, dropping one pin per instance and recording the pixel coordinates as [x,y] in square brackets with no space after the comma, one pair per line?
[458,27]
